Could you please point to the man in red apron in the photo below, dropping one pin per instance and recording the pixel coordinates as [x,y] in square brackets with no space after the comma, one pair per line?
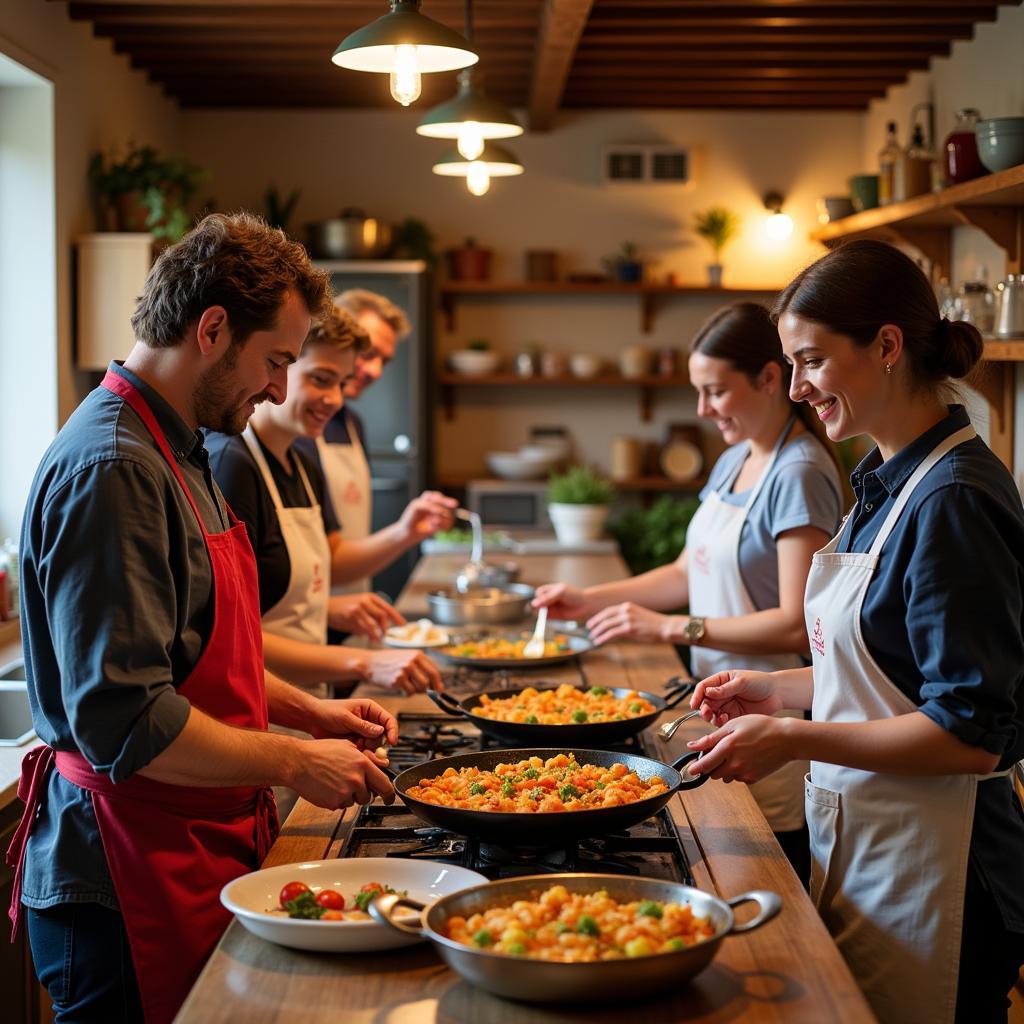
[143,648]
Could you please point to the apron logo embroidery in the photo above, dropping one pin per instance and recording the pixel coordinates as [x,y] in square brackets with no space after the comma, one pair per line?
[352,495]
[818,638]
[318,583]
[702,560]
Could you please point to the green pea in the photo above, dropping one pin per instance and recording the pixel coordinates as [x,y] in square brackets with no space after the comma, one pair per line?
[483,938]
[586,925]
[636,708]
[580,716]
[648,908]
[531,720]
[516,949]
[598,691]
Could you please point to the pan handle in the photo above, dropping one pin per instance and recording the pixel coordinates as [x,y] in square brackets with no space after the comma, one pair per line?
[689,781]
[678,690]
[382,909]
[769,904]
[446,702]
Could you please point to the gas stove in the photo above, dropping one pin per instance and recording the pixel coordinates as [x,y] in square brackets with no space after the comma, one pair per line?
[652,848]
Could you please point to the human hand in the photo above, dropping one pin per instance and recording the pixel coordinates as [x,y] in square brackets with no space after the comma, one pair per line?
[361,721]
[629,620]
[335,773]
[425,515]
[366,614]
[734,693]
[744,750]
[563,601]
[408,671]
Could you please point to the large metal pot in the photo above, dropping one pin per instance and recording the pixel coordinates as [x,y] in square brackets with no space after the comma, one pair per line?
[352,236]
[486,606]
[544,981]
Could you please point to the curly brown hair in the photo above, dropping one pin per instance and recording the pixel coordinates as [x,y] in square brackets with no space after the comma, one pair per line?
[338,329]
[358,301]
[232,260]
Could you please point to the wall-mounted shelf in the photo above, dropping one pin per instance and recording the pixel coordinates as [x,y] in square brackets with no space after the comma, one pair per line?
[635,485]
[648,294]
[646,386]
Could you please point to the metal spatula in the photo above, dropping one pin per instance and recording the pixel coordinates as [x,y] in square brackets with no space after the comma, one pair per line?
[535,645]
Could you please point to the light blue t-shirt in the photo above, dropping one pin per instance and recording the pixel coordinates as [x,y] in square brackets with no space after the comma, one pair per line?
[802,489]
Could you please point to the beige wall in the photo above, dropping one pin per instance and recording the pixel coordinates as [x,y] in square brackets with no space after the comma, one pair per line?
[375,160]
[99,102]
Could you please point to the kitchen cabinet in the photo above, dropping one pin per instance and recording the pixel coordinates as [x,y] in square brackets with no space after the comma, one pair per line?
[995,205]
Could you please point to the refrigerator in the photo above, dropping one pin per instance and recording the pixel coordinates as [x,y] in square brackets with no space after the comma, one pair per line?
[395,410]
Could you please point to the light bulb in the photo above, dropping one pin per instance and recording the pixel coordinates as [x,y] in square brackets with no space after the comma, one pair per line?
[779,226]
[405,75]
[478,181]
[470,139]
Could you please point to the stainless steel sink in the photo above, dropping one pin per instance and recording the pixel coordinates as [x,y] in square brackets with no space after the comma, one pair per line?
[15,716]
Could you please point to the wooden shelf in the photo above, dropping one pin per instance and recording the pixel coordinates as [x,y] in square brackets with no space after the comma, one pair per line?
[648,294]
[636,485]
[646,386]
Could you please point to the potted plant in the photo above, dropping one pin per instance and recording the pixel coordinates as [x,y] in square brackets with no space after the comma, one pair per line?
[625,265]
[717,225]
[144,191]
[279,209]
[578,503]
[414,241]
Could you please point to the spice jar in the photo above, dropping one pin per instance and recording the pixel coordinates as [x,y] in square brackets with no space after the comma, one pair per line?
[626,458]
[961,149]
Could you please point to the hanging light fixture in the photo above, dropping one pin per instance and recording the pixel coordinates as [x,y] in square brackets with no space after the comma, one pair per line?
[405,44]
[470,117]
[493,162]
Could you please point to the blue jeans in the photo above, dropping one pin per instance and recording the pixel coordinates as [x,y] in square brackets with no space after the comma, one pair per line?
[81,956]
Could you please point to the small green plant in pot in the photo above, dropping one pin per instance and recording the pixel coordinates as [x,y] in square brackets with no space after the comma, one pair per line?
[578,503]
[718,226]
[625,265]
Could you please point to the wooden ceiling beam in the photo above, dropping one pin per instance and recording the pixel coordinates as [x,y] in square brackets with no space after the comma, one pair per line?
[561,26]
[787,37]
[761,101]
[730,51]
[739,82]
[718,69]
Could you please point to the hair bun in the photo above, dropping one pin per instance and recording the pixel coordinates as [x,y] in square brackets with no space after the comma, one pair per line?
[959,346]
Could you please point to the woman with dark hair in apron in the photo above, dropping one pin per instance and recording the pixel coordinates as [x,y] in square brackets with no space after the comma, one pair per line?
[914,614]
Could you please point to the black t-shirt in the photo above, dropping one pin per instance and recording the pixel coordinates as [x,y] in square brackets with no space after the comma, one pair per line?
[239,477]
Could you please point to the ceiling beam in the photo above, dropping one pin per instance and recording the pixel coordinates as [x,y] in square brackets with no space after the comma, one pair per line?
[561,26]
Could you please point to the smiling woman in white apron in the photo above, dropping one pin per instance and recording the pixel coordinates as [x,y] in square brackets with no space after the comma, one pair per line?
[279,493]
[915,614]
[772,499]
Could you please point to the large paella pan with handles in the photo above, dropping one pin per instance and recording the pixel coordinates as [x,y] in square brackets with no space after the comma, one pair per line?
[539,827]
[525,975]
[586,713]
[490,648]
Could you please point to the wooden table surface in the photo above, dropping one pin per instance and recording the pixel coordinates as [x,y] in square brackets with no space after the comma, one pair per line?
[789,970]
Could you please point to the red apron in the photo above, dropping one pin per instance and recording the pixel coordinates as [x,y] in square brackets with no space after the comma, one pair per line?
[172,848]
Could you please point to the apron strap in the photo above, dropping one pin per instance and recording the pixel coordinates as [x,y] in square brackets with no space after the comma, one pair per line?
[253,444]
[756,489]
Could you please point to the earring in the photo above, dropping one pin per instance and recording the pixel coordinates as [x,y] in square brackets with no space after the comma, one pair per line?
[888,367]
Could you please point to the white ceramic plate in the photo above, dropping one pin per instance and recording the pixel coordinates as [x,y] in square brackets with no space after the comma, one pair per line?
[252,897]
[422,634]
[681,460]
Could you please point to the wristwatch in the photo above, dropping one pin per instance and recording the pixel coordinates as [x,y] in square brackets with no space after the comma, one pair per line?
[694,629]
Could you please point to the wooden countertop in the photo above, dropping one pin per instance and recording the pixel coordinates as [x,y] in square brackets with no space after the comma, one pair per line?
[788,970]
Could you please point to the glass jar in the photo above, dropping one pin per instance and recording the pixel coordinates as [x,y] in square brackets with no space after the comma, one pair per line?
[962,160]
[976,304]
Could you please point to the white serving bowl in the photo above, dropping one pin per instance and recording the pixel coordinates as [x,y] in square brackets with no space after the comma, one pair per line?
[252,897]
[517,466]
[472,363]
[585,365]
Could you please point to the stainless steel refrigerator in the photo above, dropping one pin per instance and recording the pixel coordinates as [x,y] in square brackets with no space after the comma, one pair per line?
[395,409]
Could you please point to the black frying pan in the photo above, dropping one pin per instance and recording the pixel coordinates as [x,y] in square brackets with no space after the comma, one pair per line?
[588,734]
[545,829]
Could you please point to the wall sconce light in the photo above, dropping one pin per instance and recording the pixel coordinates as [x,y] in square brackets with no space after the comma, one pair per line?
[779,225]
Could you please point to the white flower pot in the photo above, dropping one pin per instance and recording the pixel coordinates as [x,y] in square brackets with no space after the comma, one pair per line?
[575,524]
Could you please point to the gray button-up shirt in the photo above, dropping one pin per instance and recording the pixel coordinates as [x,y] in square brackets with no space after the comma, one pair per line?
[116,606]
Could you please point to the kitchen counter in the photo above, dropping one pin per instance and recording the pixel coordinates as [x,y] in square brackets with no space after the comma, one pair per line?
[788,970]
[10,757]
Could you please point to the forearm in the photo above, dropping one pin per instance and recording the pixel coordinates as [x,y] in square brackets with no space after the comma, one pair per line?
[209,753]
[288,705]
[771,631]
[356,559]
[306,664]
[909,744]
[661,589]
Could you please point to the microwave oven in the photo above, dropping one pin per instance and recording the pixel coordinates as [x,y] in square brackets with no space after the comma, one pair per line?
[510,504]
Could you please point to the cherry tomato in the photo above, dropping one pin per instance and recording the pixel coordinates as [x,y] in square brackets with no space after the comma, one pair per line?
[372,887]
[293,890]
[330,899]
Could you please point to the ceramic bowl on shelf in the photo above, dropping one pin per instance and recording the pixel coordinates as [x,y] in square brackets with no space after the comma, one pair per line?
[473,363]
[1001,142]
[832,208]
[681,460]
[516,466]
[585,365]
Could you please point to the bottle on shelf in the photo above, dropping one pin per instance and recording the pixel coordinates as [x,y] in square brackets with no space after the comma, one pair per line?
[888,157]
[962,162]
[914,169]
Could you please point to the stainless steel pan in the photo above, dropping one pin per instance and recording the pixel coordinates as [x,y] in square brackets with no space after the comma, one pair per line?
[589,734]
[578,644]
[543,981]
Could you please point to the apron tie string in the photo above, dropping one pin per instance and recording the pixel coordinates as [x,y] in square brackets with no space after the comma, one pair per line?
[268,824]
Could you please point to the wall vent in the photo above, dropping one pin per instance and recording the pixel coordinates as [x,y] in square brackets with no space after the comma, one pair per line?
[650,165]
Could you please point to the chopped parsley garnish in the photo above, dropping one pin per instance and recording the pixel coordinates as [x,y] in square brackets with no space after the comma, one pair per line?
[566,792]
[477,788]
[586,925]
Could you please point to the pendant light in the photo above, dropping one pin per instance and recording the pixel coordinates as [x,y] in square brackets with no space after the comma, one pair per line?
[469,117]
[405,44]
[493,162]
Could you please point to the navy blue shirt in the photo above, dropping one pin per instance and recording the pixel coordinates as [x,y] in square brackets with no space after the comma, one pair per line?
[943,617]
[117,607]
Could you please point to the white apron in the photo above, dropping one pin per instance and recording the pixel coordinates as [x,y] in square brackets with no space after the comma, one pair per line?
[348,483]
[888,852]
[301,614]
[717,590]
